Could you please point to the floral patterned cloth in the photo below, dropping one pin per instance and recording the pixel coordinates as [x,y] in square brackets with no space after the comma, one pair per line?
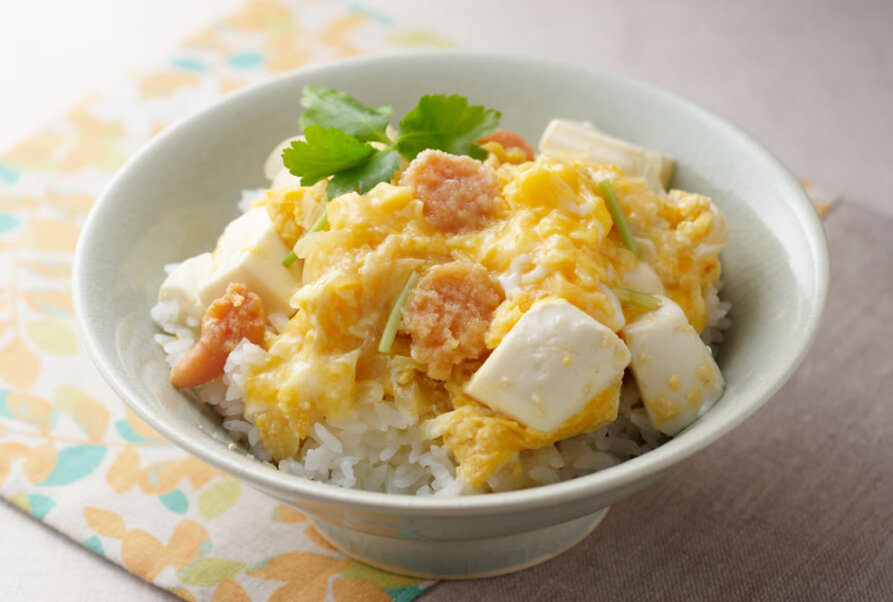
[71,454]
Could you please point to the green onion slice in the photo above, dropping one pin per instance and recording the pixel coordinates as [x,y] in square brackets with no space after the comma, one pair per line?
[318,225]
[390,329]
[640,300]
[289,259]
[620,223]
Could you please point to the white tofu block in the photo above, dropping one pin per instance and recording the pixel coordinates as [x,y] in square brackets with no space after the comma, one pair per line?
[182,284]
[676,373]
[555,360]
[250,252]
[578,141]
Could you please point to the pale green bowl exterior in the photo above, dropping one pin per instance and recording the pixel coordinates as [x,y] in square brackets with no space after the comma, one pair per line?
[173,199]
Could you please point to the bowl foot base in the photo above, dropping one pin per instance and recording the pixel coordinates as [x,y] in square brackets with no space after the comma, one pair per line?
[459,559]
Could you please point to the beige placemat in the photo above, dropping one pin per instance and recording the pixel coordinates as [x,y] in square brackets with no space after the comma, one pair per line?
[71,455]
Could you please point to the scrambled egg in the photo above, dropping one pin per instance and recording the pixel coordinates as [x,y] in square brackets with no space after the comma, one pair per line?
[547,235]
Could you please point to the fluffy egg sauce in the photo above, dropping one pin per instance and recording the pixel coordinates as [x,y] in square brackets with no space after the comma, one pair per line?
[549,236]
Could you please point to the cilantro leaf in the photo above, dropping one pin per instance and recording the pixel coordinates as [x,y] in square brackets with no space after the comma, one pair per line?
[333,108]
[327,151]
[447,123]
[379,168]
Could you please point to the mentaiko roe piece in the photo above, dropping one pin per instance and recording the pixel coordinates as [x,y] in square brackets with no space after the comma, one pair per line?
[509,139]
[237,315]
[448,314]
[459,193]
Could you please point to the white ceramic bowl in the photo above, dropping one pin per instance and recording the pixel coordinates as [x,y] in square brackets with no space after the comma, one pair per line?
[173,199]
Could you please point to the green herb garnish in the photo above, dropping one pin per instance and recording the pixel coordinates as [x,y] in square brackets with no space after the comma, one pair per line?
[617,215]
[390,329]
[640,300]
[335,109]
[327,150]
[339,132]
[380,167]
[446,123]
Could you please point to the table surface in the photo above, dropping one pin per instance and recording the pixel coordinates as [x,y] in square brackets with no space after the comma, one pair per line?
[813,81]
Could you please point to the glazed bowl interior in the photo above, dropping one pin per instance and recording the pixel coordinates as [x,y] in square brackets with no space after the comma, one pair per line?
[173,199]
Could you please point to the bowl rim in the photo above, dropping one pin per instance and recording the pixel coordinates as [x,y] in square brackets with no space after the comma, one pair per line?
[623,475]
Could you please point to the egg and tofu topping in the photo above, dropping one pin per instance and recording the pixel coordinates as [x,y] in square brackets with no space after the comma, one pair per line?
[509,341]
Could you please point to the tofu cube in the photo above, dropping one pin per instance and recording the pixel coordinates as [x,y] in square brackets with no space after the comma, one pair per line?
[549,366]
[250,252]
[675,371]
[577,141]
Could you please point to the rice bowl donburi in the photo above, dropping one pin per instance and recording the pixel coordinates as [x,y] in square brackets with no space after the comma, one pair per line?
[442,310]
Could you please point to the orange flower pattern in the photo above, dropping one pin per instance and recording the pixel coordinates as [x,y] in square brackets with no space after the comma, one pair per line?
[70,453]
